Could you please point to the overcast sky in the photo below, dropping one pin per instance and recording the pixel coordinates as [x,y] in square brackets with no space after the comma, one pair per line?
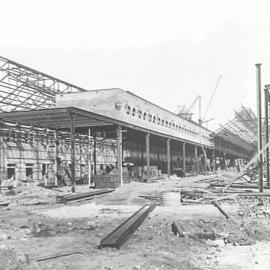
[165,51]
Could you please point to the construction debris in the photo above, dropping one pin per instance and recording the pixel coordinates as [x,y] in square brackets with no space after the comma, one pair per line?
[121,234]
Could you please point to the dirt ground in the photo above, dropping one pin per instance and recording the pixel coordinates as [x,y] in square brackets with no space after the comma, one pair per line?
[33,225]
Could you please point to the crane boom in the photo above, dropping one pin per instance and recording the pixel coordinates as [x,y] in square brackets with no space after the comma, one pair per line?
[211,99]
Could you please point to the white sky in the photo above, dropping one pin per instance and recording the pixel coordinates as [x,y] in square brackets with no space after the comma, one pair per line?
[165,51]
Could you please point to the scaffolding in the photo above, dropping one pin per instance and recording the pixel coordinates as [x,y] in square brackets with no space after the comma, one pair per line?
[29,153]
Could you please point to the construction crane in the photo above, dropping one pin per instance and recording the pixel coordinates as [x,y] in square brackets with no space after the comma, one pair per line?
[210,101]
[187,113]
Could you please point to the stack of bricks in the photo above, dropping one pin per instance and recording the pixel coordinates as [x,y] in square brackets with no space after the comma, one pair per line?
[110,180]
[140,173]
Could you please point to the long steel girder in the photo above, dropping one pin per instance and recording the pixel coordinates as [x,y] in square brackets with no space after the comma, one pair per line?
[23,88]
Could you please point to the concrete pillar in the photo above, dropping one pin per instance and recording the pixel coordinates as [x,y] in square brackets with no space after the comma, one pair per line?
[120,153]
[147,145]
[184,158]
[168,157]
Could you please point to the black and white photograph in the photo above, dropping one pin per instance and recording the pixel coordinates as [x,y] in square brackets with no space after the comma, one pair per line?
[134,135]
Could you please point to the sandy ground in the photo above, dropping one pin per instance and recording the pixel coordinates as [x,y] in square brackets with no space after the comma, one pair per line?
[211,241]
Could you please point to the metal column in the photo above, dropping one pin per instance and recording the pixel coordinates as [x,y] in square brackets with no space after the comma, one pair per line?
[196,158]
[72,133]
[266,99]
[214,160]
[120,153]
[1,161]
[259,119]
[89,157]
[184,158]
[56,157]
[95,155]
[147,145]
[168,157]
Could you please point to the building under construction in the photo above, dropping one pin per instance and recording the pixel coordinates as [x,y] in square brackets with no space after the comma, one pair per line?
[56,133]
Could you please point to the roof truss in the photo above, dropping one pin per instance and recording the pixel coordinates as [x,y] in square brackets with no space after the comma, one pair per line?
[23,88]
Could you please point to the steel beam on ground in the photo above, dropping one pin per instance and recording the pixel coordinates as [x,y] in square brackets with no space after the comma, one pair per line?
[121,234]
[81,196]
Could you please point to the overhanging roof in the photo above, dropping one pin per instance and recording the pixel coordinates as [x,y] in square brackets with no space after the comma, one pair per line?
[60,118]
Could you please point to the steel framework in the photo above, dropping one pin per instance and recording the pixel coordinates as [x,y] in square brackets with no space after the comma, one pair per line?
[242,128]
[23,88]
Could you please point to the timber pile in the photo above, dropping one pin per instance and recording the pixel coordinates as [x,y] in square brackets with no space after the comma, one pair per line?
[81,196]
[121,234]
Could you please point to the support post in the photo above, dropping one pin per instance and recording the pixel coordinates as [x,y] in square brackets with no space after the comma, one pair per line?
[36,143]
[169,157]
[259,119]
[214,160]
[95,155]
[184,158]
[225,160]
[205,159]
[147,145]
[80,158]
[89,157]
[72,133]
[56,157]
[120,153]
[1,161]
[196,158]
[266,99]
